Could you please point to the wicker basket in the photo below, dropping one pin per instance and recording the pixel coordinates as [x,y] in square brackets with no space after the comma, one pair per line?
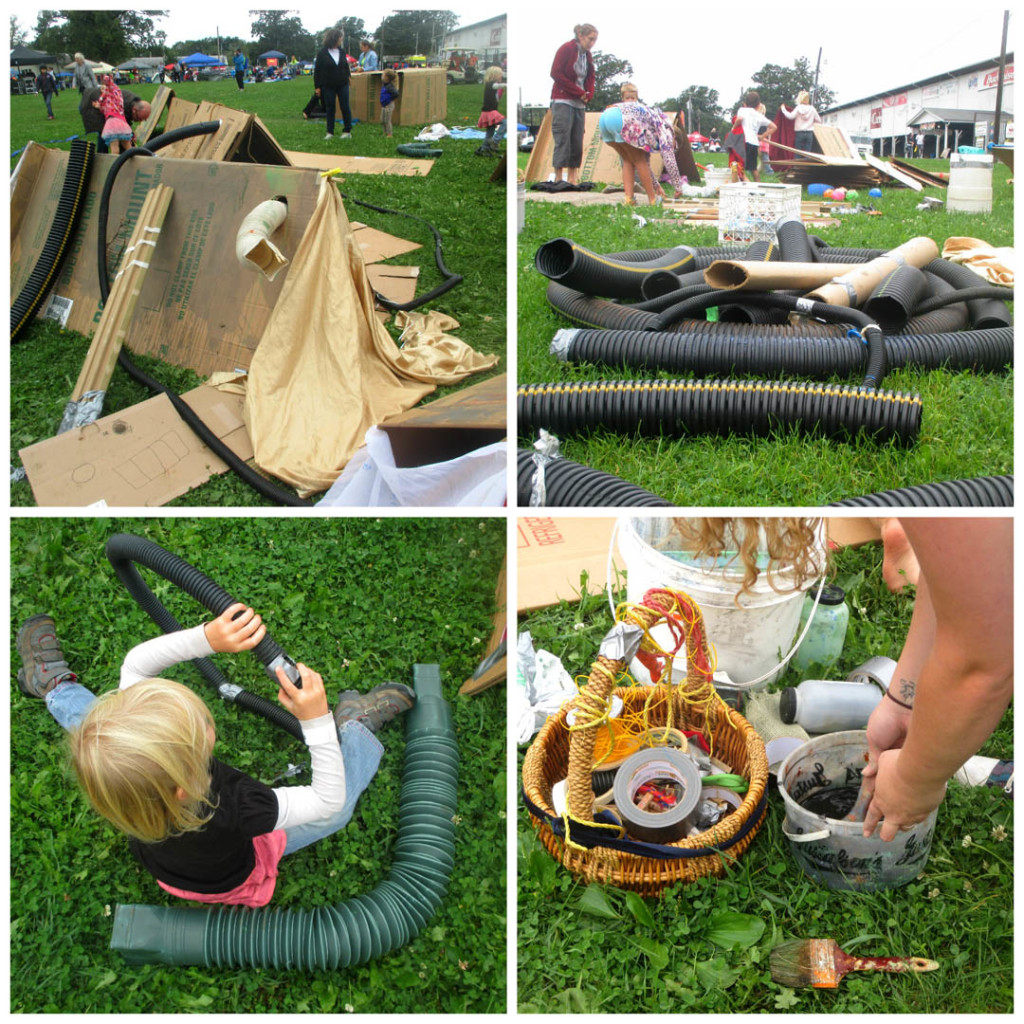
[557,753]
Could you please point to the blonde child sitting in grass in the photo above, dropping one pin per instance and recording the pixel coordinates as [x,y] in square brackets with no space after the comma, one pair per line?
[144,757]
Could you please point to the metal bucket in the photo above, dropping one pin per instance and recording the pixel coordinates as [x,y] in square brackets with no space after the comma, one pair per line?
[832,851]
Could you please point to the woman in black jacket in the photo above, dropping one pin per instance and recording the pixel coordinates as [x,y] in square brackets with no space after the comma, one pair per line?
[331,77]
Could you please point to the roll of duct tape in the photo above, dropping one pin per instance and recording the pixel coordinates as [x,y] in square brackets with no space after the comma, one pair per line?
[665,769]
[878,670]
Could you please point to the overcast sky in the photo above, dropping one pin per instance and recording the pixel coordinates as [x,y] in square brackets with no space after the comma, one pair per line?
[866,47]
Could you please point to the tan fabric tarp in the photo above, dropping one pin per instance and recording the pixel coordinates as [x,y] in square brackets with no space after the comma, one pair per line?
[326,370]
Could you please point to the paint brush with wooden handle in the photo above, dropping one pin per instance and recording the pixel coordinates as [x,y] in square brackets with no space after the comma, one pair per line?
[863,801]
[820,963]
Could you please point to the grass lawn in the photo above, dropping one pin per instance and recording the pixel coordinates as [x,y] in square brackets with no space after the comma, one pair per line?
[595,949]
[359,600]
[967,420]
[456,197]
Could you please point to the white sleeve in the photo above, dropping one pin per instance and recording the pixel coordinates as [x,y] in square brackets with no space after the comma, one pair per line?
[299,805]
[149,659]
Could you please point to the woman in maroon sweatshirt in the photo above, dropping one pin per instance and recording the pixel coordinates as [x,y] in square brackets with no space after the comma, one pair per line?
[572,72]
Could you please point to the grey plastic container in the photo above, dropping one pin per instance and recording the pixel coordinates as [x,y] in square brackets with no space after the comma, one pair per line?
[834,852]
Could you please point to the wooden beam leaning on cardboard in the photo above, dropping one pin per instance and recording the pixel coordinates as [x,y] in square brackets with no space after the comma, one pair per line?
[86,402]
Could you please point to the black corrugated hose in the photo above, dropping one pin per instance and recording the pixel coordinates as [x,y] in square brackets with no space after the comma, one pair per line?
[678,408]
[975,492]
[567,484]
[126,549]
[58,241]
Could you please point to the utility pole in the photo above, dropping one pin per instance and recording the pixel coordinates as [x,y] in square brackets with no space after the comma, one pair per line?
[218,43]
[814,90]
[1002,72]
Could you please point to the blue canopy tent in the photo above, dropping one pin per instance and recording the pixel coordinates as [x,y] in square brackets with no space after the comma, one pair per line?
[272,53]
[199,60]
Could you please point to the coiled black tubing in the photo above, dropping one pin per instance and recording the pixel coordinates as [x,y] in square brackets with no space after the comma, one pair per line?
[125,550]
[329,937]
[683,407]
[975,492]
[568,483]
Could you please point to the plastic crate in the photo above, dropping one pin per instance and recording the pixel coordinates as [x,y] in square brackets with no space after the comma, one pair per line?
[749,211]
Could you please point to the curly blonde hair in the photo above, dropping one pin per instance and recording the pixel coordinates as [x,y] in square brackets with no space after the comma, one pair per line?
[791,543]
[142,757]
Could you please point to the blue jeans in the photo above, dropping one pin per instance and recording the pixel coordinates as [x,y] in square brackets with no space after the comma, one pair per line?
[47,96]
[360,750]
[329,96]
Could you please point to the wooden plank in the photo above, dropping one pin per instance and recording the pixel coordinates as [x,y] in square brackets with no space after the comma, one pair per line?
[923,176]
[124,293]
[886,168]
[832,141]
[163,96]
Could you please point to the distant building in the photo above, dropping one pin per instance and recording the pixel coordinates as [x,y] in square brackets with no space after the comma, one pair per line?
[487,39]
[952,109]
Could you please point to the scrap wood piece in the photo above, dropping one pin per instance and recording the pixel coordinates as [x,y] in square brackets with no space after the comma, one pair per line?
[163,96]
[923,176]
[493,666]
[833,142]
[886,168]
[94,378]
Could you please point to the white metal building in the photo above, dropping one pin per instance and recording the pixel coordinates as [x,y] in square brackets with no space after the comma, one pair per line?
[488,39]
[951,109]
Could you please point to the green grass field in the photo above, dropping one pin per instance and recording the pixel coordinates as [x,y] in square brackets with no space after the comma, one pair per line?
[457,197]
[359,600]
[967,419]
[703,947]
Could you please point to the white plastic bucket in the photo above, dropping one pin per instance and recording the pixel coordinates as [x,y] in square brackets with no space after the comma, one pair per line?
[750,638]
[970,183]
[716,175]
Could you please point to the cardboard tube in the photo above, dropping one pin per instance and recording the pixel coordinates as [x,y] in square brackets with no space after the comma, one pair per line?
[754,275]
[853,288]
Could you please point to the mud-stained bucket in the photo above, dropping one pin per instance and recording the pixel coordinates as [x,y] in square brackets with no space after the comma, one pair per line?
[832,851]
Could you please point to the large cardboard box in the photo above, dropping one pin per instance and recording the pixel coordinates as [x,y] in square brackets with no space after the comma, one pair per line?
[600,161]
[199,307]
[422,96]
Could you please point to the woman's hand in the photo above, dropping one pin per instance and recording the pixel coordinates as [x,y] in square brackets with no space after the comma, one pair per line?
[307,703]
[238,628]
[898,802]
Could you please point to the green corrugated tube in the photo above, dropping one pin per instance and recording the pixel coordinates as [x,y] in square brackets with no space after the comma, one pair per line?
[351,932]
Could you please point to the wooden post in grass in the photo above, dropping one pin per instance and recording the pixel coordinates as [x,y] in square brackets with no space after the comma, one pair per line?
[94,378]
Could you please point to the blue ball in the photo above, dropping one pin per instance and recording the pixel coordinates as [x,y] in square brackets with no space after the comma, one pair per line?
[816,190]
[875,193]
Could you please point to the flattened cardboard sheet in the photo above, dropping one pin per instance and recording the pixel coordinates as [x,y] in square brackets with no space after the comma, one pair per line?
[375,245]
[551,554]
[395,283]
[199,307]
[143,456]
[359,164]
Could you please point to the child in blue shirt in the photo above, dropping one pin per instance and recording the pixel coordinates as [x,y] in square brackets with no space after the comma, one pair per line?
[388,95]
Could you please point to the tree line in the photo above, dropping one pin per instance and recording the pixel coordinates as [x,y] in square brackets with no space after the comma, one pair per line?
[114,36]
[775,84]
